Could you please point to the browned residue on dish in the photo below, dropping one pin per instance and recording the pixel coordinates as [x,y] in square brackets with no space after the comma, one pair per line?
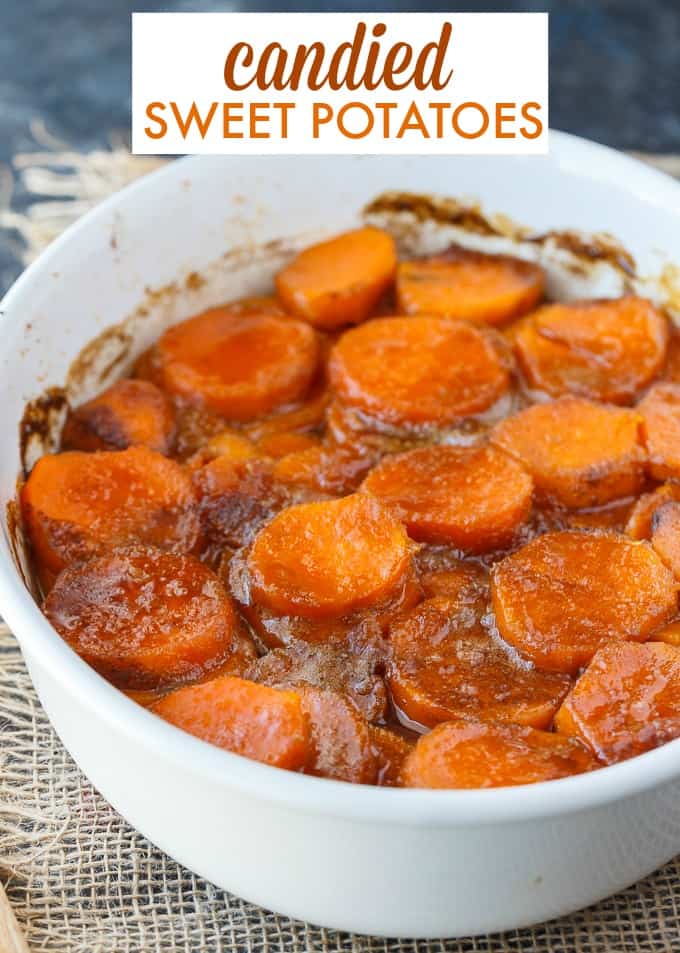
[17,539]
[430,208]
[116,338]
[194,280]
[20,545]
[38,422]
[669,283]
[587,249]
[593,248]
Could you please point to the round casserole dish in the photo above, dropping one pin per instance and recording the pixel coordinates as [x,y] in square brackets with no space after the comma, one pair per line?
[410,863]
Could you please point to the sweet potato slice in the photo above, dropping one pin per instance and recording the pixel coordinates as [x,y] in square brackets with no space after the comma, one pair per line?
[358,627]
[235,498]
[564,595]
[660,409]
[340,738]
[277,445]
[339,281]
[75,505]
[671,370]
[612,517]
[411,372]
[229,444]
[196,427]
[639,524]
[130,413]
[442,572]
[144,618]
[459,283]
[626,702]
[238,365]
[258,722]
[445,665]
[354,675]
[324,469]
[319,560]
[580,454]
[670,634]
[474,498]
[666,536]
[480,754]
[606,350]
[307,415]
[391,750]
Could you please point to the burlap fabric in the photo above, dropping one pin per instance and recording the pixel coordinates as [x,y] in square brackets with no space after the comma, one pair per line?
[79,878]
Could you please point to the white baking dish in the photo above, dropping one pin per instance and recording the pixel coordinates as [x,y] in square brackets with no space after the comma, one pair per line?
[394,862]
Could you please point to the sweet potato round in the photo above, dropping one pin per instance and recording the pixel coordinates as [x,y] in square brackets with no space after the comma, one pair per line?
[627,700]
[606,350]
[319,560]
[565,594]
[480,754]
[579,453]
[411,372]
[144,618]
[77,504]
[255,721]
[339,281]
[445,666]
[459,283]
[473,498]
[238,365]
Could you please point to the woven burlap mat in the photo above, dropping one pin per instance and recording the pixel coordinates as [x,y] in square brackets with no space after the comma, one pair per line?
[79,878]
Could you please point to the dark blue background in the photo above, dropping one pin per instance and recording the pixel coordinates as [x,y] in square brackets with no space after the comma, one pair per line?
[614,66]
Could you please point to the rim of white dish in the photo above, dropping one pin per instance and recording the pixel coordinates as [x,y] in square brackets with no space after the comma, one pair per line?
[414,807]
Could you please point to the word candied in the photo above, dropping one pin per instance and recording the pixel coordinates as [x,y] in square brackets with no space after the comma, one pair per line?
[353,120]
[355,64]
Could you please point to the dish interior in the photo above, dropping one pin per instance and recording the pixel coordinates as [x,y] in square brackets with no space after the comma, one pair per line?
[398,506]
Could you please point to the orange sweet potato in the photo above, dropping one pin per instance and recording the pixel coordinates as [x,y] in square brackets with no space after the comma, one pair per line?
[580,454]
[460,283]
[227,443]
[78,504]
[480,754]
[238,365]
[356,627]
[445,665]
[277,445]
[473,498]
[668,633]
[660,409]
[339,281]
[307,415]
[565,594]
[606,350]
[129,413]
[261,723]
[410,372]
[639,524]
[144,618]
[666,535]
[235,498]
[320,560]
[340,739]
[626,702]
[391,750]
[332,470]
[671,369]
